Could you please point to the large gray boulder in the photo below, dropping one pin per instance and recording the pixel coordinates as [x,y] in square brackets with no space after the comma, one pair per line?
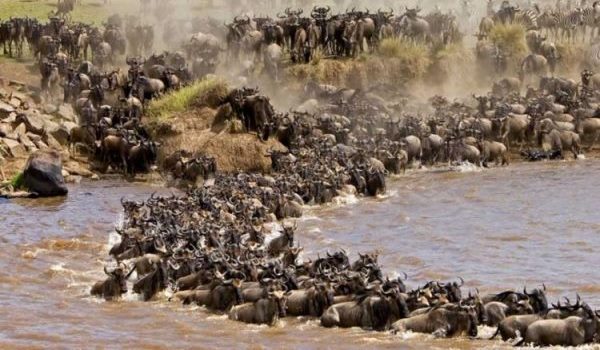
[43,174]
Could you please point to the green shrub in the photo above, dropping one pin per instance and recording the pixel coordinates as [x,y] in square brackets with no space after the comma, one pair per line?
[205,92]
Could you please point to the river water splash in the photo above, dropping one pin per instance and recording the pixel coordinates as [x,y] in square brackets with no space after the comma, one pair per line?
[526,224]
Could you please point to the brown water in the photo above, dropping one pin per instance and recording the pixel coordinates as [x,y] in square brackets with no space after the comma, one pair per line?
[502,228]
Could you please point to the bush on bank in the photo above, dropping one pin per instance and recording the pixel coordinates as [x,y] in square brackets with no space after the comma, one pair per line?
[205,92]
[510,38]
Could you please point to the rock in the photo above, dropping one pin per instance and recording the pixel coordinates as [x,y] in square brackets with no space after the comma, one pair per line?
[19,95]
[52,143]
[59,132]
[33,137]
[17,83]
[75,168]
[15,148]
[66,112]
[74,179]
[5,109]
[95,177]
[34,122]
[5,129]
[21,129]
[49,108]
[27,143]
[43,174]
[12,118]
[65,173]
[68,126]
[41,145]
[15,102]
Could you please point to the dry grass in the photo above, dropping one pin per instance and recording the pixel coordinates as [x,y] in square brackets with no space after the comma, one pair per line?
[572,57]
[396,61]
[90,11]
[206,92]
[510,38]
[195,124]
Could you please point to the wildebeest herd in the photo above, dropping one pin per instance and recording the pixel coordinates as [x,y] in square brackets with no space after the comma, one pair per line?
[335,35]
[212,247]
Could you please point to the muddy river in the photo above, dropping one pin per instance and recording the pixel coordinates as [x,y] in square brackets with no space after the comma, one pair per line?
[527,224]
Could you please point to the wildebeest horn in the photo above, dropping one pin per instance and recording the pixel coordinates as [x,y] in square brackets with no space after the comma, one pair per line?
[544,287]
[525,290]
[106,271]
[405,276]
[462,281]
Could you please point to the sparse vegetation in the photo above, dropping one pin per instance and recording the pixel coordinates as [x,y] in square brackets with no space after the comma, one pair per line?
[206,92]
[186,120]
[89,11]
[510,38]
[16,182]
[396,61]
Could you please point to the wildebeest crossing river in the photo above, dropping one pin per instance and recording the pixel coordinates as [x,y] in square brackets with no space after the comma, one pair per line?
[524,225]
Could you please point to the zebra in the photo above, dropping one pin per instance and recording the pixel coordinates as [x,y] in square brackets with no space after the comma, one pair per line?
[529,17]
[568,23]
[591,19]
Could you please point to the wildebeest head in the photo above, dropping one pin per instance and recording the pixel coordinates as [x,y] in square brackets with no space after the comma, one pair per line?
[477,303]
[280,298]
[472,319]
[537,298]
[453,290]
[114,286]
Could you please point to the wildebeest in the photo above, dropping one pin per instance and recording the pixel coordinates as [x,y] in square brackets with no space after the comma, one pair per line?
[113,287]
[376,312]
[273,56]
[312,301]
[221,297]
[445,322]
[572,331]
[264,311]
[283,242]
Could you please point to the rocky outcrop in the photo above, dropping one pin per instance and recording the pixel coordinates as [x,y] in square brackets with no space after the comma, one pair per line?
[43,174]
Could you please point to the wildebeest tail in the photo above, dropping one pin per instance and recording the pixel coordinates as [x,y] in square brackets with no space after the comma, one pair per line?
[495,334]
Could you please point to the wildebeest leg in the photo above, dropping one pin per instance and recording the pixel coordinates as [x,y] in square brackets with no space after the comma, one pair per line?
[125,165]
[594,139]
[575,150]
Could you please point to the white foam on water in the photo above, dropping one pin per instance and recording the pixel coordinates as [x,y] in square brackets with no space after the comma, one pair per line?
[32,254]
[275,229]
[388,194]
[58,267]
[113,238]
[407,335]
[345,199]
[466,167]
[130,295]
[217,317]
[309,218]
[581,157]
[485,332]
